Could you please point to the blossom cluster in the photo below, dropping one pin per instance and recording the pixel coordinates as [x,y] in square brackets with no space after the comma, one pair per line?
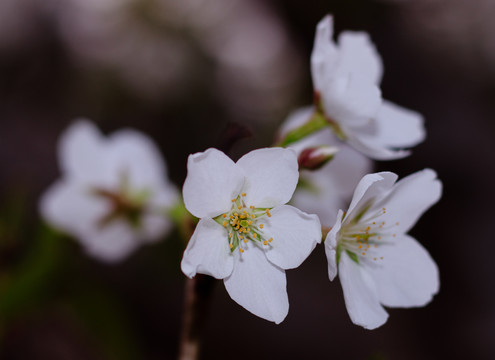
[114,194]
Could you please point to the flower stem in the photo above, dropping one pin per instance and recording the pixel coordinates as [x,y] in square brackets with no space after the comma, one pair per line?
[196,301]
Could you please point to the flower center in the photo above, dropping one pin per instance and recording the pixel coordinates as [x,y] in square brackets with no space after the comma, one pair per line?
[244,223]
[124,203]
[362,236]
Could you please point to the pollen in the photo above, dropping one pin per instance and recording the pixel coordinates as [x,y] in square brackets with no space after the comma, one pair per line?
[239,207]
[233,200]
[254,235]
[241,250]
[225,223]
[243,194]
[268,213]
[265,242]
[270,239]
[246,241]
[261,226]
[231,246]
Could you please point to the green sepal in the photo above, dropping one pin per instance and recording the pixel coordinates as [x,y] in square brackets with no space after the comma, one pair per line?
[353,256]
[314,124]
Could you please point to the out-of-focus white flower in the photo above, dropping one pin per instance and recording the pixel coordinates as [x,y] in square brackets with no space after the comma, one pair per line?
[377,262]
[324,191]
[346,79]
[113,194]
[246,235]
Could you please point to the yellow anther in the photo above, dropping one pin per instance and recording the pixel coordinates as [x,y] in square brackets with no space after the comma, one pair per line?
[236,214]
[239,207]
[374,259]
[270,239]
[243,216]
[265,242]
[243,194]
[254,235]
[261,226]
[363,253]
[251,207]
[248,230]
[231,217]
[233,200]
[230,235]
[252,216]
[381,257]
[374,223]
[250,222]
[241,250]
[225,223]
[246,241]
[241,237]
[268,212]
[231,246]
[224,216]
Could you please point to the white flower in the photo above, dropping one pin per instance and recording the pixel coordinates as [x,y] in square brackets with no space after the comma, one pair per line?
[246,235]
[378,263]
[324,191]
[346,79]
[113,194]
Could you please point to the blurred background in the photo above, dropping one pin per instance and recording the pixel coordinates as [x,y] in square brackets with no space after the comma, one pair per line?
[182,71]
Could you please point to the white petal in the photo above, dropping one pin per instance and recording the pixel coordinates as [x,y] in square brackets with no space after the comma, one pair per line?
[371,147]
[332,186]
[360,295]
[112,243]
[295,235]
[80,151]
[212,181]
[331,246]
[399,127]
[271,176]
[208,252]
[370,187]
[71,207]
[409,199]
[358,56]
[133,154]
[154,226]
[350,101]
[407,276]
[258,285]
[324,57]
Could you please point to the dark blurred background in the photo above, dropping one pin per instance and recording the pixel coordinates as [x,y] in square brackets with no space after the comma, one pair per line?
[181,71]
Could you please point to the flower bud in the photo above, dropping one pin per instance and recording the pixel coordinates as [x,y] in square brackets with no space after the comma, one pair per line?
[314,158]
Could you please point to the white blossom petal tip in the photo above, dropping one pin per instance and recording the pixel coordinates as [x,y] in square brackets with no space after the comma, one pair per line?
[376,260]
